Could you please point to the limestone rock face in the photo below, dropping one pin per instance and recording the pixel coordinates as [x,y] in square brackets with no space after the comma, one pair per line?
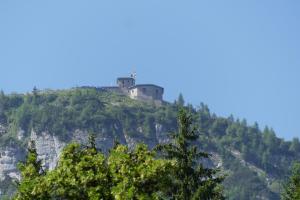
[9,157]
[161,135]
[158,137]
[20,134]
[2,129]
[48,148]
[103,142]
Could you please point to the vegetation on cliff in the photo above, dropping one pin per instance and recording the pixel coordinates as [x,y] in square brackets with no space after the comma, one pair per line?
[292,186]
[86,173]
[256,161]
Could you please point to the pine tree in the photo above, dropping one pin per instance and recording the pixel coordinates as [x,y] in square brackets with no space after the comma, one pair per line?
[31,176]
[92,142]
[180,101]
[3,100]
[192,179]
[292,188]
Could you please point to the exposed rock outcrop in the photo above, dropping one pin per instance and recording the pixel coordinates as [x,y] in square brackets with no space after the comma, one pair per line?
[50,146]
[9,157]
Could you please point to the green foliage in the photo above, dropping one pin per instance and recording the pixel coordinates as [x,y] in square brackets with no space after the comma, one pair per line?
[85,173]
[62,112]
[138,174]
[256,188]
[80,174]
[292,188]
[32,175]
[191,179]
[295,146]
[114,116]
[180,100]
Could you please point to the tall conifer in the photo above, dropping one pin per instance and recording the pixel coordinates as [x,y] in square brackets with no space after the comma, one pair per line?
[191,179]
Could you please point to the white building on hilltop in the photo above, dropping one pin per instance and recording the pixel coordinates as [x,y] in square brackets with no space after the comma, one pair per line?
[144,92]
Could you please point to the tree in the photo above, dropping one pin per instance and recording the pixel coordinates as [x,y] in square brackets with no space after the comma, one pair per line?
[137,174]
[219,127]
[3,100]
[270,139]
[295,146]
[82,173]
[292,188]
[191,179]
[31,177]
[180,100]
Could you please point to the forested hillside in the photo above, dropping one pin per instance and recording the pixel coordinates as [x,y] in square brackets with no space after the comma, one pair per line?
[255,160]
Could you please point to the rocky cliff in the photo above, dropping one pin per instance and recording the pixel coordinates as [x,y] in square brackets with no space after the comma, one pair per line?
[255,160]
[49,147]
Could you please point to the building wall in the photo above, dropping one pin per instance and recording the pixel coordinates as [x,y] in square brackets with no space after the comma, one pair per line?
[125,82]
[147,93]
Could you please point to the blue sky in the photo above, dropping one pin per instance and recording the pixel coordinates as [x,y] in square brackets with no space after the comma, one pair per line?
[239,57]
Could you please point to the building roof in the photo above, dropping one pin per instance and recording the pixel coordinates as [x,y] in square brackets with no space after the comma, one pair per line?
[124,78]
[146,85]
[109,87]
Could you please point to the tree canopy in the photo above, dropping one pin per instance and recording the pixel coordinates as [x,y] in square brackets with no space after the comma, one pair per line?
[83,172]
[192,180]
[244,149]
[292,187]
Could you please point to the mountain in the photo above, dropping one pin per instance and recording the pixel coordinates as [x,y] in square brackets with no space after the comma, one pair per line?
[256,161]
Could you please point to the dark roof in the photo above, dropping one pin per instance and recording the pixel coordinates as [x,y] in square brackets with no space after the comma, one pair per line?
[109,87]
[122,78]
[145,85]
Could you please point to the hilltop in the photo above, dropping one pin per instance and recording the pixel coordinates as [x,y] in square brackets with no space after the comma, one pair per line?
[255,160]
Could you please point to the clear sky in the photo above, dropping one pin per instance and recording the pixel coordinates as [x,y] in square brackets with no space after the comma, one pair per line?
[239,57]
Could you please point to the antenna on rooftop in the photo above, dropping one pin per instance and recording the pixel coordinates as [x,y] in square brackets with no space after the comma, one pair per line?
[133,75]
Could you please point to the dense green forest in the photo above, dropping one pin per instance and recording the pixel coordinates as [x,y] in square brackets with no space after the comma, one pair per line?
[86,173]
[256,162]
[292,185]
